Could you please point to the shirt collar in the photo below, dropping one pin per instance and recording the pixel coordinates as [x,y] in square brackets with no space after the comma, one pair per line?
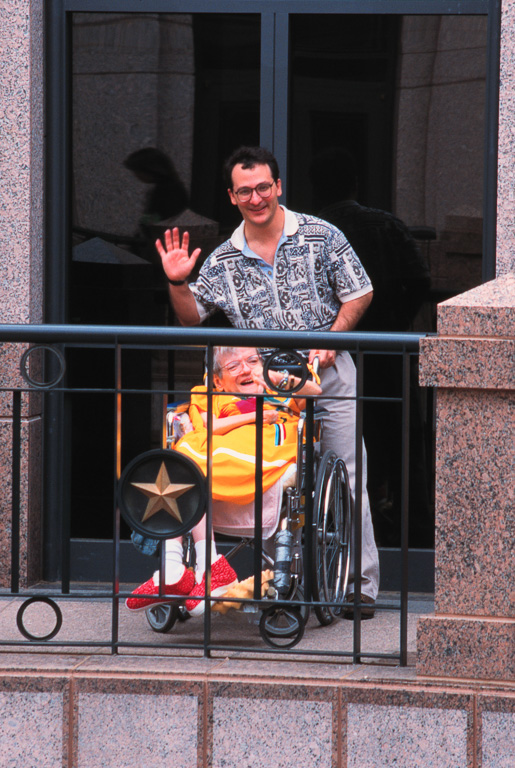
[291,226]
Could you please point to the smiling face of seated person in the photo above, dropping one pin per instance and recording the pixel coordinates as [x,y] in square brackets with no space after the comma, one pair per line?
[238,369]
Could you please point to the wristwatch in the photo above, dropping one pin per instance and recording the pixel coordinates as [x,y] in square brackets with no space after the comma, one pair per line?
[284,380]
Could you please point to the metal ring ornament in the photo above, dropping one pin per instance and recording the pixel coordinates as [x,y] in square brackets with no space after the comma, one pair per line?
[289,359]
[162,494]
[39,384]
[58,618]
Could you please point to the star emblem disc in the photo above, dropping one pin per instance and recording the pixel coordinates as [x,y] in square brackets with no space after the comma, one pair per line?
[161,494]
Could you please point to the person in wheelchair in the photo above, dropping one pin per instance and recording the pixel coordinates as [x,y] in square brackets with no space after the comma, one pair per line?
[237,371]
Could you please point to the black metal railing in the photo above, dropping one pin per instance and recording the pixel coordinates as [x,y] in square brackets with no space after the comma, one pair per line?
[55,369]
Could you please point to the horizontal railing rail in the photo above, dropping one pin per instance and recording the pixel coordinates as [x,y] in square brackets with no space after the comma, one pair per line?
[49,401]
[155,335]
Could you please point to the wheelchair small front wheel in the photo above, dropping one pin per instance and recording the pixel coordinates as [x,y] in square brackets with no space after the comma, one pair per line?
[282,626]
[162,617]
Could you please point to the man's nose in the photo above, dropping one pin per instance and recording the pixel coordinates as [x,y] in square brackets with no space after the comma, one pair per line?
[255,195]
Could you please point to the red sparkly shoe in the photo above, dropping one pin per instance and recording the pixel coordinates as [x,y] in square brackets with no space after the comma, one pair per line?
[222,578]
[181,587]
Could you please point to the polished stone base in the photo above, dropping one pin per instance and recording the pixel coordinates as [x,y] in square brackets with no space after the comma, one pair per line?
[127,711]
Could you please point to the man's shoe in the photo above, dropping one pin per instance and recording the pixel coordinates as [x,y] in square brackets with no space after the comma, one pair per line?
[366,613]
[223,577]
[181,587]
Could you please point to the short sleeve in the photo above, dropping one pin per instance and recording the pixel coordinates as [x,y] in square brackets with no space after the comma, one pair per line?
[203,289]
[346,272]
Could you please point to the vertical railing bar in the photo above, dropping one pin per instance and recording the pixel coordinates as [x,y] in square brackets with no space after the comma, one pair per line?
[258,499]
[358,505]
[405,506]
[164,425]
[209,505]
[162,544]
[162,567]
[309,576]
[66,512]
[15,492]
[116,511]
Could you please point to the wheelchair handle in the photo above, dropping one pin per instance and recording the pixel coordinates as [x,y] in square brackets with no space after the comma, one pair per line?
[286,360]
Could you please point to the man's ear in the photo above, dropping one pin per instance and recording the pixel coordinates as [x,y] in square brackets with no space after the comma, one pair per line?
[217,382]
[232,197]
[279,187]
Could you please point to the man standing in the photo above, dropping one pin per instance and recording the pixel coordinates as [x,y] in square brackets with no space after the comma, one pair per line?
[284,271]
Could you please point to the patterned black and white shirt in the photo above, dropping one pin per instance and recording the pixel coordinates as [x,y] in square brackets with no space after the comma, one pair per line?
[315,270]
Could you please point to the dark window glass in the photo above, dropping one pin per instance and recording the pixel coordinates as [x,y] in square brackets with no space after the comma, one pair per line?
[387,116]
[405,96]
[159,101]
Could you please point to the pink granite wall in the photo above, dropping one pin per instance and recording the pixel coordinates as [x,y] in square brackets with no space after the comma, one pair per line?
[21,150]
[472,365]
[122,712]
[21,255]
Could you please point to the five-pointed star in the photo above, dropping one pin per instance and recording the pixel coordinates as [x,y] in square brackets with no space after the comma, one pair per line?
[162,494]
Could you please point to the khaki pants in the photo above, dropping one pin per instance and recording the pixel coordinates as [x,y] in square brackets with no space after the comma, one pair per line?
[339,435]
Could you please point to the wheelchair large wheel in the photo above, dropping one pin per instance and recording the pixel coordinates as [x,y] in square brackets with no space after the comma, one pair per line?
[332,522]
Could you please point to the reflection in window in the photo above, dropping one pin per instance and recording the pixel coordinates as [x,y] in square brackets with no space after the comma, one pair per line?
[159,100]
[187,85]
[406,95]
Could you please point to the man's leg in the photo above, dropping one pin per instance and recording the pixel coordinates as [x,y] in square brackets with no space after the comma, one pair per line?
[339,435]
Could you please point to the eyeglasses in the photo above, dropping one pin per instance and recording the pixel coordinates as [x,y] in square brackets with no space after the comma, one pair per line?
[235,367]
[245,193]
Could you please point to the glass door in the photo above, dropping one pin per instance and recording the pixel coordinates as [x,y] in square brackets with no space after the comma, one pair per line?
[143,109]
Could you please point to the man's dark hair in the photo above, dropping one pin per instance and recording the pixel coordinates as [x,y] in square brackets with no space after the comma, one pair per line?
[248,157]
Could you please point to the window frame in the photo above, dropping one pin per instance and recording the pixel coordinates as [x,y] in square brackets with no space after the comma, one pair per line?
[273,134]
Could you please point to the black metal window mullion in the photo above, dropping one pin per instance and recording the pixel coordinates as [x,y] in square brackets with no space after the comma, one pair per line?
[275,70]
[266,124]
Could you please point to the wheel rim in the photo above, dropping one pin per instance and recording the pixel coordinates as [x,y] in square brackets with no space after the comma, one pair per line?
[332,542]
[281,626]
[332,545]
[162,617]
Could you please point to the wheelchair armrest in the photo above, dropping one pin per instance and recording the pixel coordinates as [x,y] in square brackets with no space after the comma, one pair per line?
[178,423]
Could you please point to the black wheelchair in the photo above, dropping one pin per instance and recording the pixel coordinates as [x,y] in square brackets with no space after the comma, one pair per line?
[284,606]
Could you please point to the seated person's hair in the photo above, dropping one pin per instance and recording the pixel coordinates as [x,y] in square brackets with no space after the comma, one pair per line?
[218,353]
